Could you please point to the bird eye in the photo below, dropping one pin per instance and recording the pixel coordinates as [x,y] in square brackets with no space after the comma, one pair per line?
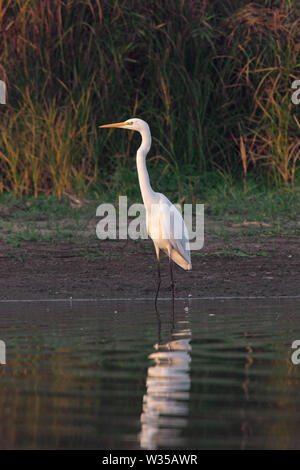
[129,123]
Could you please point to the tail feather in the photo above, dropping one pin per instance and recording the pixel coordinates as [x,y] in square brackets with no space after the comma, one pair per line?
[181,261]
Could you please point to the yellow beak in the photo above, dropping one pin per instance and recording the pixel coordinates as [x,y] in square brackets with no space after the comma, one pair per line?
[116,124]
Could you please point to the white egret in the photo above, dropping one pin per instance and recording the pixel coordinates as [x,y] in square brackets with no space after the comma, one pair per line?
[164,222]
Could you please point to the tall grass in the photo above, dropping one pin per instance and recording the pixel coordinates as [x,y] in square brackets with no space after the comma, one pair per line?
[270,61]
[213,79]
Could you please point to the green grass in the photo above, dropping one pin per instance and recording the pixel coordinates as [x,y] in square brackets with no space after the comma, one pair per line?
[233,253]
[47,219]
[43,208]
[256,204]
[213,79]
[221,199]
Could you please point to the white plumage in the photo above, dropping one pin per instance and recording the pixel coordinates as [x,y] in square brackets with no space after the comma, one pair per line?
[168,231]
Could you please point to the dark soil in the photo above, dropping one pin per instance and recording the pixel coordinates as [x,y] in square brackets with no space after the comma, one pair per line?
[247,266]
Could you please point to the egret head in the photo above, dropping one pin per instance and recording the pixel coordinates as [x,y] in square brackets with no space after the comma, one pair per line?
[132,124]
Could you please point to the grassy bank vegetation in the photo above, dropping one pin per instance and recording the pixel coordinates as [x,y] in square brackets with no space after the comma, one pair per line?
[213,79]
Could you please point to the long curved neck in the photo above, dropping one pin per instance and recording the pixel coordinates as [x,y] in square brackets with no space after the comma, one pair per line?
[146,190]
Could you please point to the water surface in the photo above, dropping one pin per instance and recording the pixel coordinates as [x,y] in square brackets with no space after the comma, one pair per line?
[114,375]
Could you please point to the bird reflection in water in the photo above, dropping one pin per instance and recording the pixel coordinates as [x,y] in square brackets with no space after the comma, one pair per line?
[165,404]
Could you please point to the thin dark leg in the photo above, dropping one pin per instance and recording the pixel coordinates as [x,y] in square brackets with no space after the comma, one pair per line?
[172,282]
[158,326]
[158,282]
